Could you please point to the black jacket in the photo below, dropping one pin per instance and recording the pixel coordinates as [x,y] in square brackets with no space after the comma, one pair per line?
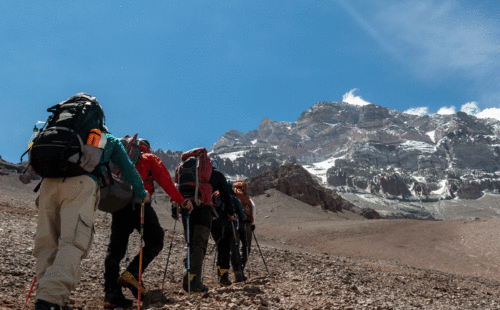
[219,183]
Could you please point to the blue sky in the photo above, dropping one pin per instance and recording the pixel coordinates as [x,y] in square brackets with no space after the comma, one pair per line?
[182,73]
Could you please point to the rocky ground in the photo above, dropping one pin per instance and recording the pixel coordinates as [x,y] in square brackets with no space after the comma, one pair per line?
[302,274]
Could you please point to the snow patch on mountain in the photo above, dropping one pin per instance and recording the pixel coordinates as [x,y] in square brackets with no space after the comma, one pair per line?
[442,188]
[319,169]
[232,155]
[418,145]
[432,135]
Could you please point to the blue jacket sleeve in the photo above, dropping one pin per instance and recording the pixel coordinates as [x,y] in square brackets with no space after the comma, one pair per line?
[121,160]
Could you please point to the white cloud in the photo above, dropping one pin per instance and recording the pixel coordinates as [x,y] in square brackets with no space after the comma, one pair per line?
[489,113]
[470,108]
[446,110]
[354,100]
[417,111]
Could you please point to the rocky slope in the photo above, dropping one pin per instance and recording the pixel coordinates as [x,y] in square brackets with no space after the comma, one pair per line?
[297,279]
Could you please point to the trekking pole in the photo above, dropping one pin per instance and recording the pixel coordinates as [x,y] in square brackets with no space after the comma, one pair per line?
[168,257]
[257,242]
[29,293]
[188,258]
[126,255]
[140,256]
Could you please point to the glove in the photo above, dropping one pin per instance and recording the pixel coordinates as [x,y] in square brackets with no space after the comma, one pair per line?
[232,217]
[253,227]
[147,199]
[174,212]
[188,205]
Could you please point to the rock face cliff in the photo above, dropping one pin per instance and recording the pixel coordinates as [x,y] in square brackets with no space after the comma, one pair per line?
[370,149]
[360,147]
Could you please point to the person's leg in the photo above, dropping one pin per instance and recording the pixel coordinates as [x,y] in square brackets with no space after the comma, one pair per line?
[78,197]
[48,227]
[121,228]
[199,222]
[153,240]
[248,228]
[242,232]
[224,257]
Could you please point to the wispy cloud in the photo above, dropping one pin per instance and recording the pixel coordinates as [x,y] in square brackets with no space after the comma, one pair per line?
[438,40]
[354,100]
[417,111]
[442,35]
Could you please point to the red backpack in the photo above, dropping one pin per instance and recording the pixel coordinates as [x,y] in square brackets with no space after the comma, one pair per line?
[195,171]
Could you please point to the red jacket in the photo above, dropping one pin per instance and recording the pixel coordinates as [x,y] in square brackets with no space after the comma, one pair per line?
[151,169]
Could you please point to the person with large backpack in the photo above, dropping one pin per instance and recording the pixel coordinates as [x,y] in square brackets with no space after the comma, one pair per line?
[226,238]
[247,226]
[125,220]
[67,154]
[197,179]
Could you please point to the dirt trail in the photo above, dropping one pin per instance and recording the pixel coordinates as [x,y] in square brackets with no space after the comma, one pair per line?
[461,247]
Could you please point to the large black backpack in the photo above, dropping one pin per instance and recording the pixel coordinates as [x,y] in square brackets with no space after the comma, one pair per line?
[71,142]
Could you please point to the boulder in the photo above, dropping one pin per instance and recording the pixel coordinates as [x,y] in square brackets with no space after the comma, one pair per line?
[421,189]
[293,180]
[469,191]
[25,178]
[393,185]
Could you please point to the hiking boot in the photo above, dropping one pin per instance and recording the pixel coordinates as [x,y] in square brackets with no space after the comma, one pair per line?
[115,299]
[129,281]
[45,305]
[195,283]
[223,275]
[239,276]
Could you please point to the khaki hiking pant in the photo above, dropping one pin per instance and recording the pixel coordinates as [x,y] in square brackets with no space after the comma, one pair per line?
[64,234]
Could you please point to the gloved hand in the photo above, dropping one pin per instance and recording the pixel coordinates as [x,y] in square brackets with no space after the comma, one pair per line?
[188,205]
[232,217]
[253,227]
[147,199]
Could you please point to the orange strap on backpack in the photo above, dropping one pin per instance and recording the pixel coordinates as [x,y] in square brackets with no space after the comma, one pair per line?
[94,137]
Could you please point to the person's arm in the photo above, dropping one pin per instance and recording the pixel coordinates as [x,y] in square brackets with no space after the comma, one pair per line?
[121,160]
[254,212]
[163,178]
[224,189]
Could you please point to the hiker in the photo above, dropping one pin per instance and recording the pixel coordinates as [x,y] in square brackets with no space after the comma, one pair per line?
[236,257]
[226,239]
[247,226]
[123,223]
[200,217]
[69,193]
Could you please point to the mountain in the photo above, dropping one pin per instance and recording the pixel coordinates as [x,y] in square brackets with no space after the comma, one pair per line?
[374,149]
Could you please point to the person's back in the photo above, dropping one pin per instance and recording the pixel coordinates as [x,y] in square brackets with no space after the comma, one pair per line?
[66,209]
[193,185]
[124,221]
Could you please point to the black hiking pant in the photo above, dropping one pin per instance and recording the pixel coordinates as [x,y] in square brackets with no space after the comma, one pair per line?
[245,233]
[227,247]
[123,224]
[200,221]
